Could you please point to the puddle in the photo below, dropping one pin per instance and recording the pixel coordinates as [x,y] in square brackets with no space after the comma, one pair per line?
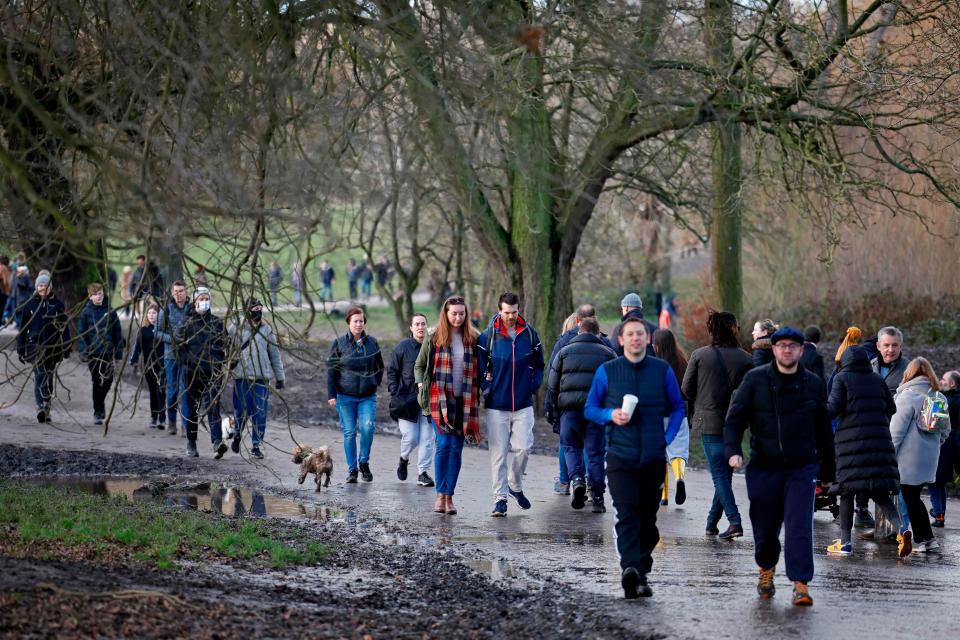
[229,501]
[495,569]
[572,539]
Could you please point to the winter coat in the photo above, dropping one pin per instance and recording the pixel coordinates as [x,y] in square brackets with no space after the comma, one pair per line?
[200,345]
[22,292]
[572,371]
[168,320]
[812,361]
[260,360]
[401,383]
[44,337]
[950,449]
[149,348]
[762,352]
[894,374]
[99,334]
[275,278]
[859,399]
[788,421]
[565,339]
[706,391]
[515,364]
[615,335]
[354,370]
[917,452]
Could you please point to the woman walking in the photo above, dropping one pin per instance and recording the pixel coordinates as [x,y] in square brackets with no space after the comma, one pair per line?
[866,460]
[447,374]
[918,450]
[415,428]
[354,371]
[712,375]
[150,349]
[678,452]
[762,347]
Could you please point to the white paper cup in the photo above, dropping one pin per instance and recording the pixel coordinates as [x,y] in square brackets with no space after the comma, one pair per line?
[629,404]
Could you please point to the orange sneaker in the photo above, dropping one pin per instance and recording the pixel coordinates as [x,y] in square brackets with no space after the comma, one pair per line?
[765,587]
[801,595]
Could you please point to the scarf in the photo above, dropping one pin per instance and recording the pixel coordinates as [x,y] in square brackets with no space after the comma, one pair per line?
[442,399]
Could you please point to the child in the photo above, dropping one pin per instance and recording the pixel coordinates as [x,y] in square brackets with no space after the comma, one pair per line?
[152,351]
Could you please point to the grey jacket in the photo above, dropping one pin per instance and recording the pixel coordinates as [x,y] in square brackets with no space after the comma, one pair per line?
[261,359]
[917,453]
[894,375]
[705,390]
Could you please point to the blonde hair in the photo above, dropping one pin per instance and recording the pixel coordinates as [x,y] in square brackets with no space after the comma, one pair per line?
[921,367]
[569,323]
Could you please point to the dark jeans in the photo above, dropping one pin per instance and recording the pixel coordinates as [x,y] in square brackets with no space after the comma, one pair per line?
[948,464]
[721,472]
[884,504]
[635,490]
[176,390]
[919,522]
[43,377]
[783,498]
[155,379]
[449,455]
[353,289]
[202,397]
[577,434]
[101,377]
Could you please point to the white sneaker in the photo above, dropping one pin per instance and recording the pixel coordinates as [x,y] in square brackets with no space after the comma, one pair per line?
[930,546]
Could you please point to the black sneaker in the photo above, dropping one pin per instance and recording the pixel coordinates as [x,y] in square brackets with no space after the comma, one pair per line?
[579,493]
[365,472]
[864,519]
[598,506]
[192,449]
[402,469]
[424,480]
[520,498]
[681,496]
[221,448]
[235,444]
[352,477]
[161,426]
[256,453]
[42,416]
[634,585]
[97,420]
[733,531]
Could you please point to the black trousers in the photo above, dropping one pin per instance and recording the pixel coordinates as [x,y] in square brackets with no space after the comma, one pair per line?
[101,375]
[919,519]
[156,377]
[635,491]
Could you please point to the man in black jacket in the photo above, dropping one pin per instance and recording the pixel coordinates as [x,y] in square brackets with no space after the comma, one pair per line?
[200,346]
[632,307]
[568,383]
[949,462]
[99,342]
[43,341]
[811,360]
[791,438]
[415,428]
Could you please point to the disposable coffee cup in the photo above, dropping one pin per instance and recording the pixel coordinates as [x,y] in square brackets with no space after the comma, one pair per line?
[629,404]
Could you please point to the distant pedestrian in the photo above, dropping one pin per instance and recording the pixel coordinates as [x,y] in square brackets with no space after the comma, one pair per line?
[146,280]
[327,277]
[23,292]
[791,443]
[712,376]
[949,462]
[678,451]
[366,280]
[126,298]
[6,282]
[171,316]
[296,283]
[812,361]
[630,397]
[99,342]
[632,307]
[353,277]
[384,271]
[43,340]
[200,276]
[416,431]
[866,459]
[918,449]
[148,352]
[511,365]
[275,281]
[448,377]
[762,349]
[354,371]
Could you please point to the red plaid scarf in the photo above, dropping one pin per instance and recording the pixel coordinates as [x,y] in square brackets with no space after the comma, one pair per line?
[442,400]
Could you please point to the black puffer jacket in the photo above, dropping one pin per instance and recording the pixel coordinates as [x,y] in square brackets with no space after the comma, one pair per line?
[866,459]
[354,370]
[200,344]
[788,421]
[401,383]
[44,337]
[571,372]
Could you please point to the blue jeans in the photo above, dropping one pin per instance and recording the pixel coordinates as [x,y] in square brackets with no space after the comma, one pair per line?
[938,498]
[446,464]
[903,511]
[43,386]
[326,292]
[357,414]
[297,298]
[722,474]
[578,436]
[562,461]
[366,287]
[176,390]
[250,398]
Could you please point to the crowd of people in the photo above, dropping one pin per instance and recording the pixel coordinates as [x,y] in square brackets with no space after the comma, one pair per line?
[878,428]
[360,278]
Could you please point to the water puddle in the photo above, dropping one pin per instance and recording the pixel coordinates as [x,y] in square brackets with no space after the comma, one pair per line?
[494,569]
[538,539]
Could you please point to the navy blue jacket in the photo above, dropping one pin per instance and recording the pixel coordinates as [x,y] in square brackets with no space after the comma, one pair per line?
[44,336]
[565,339]
[98,332]
[353,370]
[644,439]
[168,320]
[515,364]
[615,336]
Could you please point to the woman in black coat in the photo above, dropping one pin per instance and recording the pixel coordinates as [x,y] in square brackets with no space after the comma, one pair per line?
[866,459]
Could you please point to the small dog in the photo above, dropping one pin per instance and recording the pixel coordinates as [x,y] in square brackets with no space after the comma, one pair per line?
[316,462]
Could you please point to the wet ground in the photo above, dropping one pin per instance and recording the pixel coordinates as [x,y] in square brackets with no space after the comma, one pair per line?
[562,560]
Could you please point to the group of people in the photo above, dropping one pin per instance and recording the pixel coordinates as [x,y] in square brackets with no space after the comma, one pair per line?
[360,279]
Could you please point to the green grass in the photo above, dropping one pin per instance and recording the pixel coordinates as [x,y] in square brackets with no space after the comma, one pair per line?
[155,534]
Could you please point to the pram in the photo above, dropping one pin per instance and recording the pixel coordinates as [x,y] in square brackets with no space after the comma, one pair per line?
[825,501]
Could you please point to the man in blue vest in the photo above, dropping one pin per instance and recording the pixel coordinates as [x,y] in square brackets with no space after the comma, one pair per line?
[637,438]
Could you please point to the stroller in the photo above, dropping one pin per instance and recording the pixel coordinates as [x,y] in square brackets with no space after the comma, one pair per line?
[825,500]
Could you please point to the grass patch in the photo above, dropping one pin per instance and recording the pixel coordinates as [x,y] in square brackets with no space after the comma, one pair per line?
[148,531]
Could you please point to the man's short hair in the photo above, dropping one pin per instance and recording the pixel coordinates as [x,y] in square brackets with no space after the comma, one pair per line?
[590,325]
[178,283]
[586,311]
[509,298]
[890,331]
[94,288]
[141,257]
[812,334]
[954,377]
[630,319]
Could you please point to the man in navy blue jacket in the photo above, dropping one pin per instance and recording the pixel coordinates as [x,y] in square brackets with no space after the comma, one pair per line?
[636,445]
[99,342]
[511,370]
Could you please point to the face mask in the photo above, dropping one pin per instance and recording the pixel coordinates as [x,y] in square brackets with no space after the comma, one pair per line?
[202,306]
[255,316]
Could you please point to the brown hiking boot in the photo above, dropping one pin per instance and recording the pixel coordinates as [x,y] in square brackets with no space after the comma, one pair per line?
[765,587]
[801,596]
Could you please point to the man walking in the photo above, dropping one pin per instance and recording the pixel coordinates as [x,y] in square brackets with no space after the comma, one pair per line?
[43,341]
[168,321]
[632,307]
[511,370]
[630,396]
[811,360]
[791,439]
[99,342]
[327,277]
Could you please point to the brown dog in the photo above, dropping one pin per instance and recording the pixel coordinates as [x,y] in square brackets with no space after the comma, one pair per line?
[316,462]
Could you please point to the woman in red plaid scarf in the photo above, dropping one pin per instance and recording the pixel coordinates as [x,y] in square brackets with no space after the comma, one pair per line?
[449,392]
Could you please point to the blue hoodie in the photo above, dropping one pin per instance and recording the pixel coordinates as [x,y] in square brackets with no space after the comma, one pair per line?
[516,365]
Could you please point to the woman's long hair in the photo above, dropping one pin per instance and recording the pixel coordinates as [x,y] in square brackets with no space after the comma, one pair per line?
[569,323]
[444,332]
[921,367]
[666,347]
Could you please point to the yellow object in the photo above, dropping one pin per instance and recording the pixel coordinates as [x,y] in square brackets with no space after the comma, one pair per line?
[852,337]
[679,466]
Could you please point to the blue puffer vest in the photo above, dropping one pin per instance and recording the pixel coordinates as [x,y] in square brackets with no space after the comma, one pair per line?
[642,439]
